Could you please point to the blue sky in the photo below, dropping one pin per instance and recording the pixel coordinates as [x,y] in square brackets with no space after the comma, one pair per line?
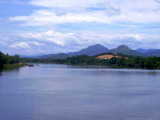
[51,26]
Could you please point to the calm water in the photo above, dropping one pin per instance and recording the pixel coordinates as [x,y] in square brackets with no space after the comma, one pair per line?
[55,92]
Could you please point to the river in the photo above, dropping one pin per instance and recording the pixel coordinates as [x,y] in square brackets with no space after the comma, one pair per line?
[58,92]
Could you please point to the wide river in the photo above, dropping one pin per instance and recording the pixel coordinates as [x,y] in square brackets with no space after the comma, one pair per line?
[58,92]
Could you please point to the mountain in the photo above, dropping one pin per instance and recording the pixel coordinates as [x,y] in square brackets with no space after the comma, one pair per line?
[100,50]
[153,53]
[31,56]
[141,50]
[91,50]
[125,50]
[54,56]
[23,56]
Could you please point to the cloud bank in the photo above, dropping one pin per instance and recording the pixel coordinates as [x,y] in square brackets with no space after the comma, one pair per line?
[67,26]
[107,12]
[55,42]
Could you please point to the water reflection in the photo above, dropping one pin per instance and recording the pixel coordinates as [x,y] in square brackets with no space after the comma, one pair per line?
[13,72]
[131,71]
[88,66]
[107,70]
[60,92]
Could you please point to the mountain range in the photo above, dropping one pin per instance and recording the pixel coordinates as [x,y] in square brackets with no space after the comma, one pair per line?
[90,51]
[54,56]
[141,50]
[153,53]
[99,49]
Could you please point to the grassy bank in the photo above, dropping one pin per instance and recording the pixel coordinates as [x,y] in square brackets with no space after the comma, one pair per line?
[12,66]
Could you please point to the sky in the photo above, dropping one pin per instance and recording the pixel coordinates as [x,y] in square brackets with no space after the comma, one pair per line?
[30,27]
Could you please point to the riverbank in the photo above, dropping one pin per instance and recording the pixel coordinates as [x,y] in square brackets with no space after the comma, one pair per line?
[12,66]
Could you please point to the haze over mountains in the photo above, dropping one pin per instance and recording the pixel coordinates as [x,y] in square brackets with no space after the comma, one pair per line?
[54,56]
[90,51]
[141,50]
[153,53]
[99,49]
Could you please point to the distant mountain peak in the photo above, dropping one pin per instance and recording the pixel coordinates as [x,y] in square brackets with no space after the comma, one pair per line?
[125,50]
[91,50]
[96,45]
[54,56]
[123,47]
[141,50]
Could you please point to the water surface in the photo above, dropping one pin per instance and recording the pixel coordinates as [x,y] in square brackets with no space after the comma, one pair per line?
[58,92]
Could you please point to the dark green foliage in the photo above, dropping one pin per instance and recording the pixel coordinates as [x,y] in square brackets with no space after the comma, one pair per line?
[158,65]
[132,61]
[6,59]
[150,63]
[120,62]
[1,60]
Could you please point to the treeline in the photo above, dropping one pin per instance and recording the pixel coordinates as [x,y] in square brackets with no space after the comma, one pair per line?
[35,60]
[6,59]
[131,62]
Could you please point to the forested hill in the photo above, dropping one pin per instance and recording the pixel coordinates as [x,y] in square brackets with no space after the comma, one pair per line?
[123,49]
[91,50]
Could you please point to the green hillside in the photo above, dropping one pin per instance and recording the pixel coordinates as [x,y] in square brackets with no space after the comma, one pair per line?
[125,50]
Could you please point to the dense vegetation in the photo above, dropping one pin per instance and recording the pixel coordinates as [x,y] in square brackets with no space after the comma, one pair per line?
[7,61]
[131,62]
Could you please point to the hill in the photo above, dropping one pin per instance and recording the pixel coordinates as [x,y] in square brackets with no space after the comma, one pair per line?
[54,56]
[98,49]
[141,50]
[153,53]
[31,56]
[125,50]
[91,50]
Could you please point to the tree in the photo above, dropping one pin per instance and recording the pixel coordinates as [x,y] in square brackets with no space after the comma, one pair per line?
[1,60]
[158,65]
[149,63]
[113,61]
[120,62]
[16,58]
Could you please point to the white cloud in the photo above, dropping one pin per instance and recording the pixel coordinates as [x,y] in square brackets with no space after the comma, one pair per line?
[64,3]
[20,45]
[157,1]
[55,42]
[109,12]
[112,9]
[43,17]
[127,15]
[85,39]
[51,36]
[36,43]
[128,26]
